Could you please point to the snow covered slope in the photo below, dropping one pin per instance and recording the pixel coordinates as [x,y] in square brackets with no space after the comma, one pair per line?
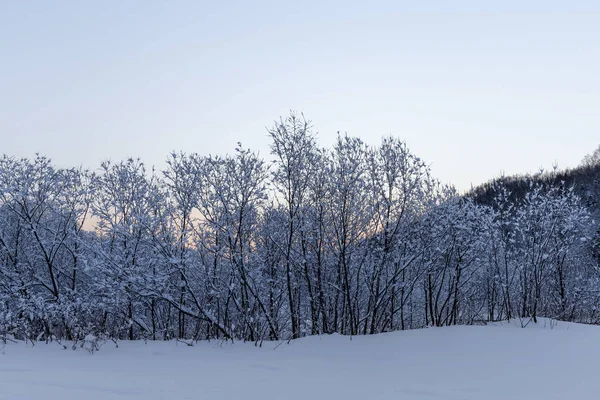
[502,361]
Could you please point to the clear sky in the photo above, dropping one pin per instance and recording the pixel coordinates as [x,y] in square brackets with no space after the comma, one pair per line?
[474,87]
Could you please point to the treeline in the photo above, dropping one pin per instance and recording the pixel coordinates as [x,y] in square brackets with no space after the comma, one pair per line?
[351,239]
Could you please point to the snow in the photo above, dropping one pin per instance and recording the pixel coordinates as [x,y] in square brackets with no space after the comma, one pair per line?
[548,360]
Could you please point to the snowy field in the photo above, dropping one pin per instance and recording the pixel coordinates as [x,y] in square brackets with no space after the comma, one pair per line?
[543,361]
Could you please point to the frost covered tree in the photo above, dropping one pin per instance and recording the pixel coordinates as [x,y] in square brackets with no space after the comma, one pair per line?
[43,211]
[550,224]
[128,210]
[591,160]
[295,150]
[402,189]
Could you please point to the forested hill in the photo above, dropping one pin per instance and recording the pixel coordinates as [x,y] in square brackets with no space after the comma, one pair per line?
[584,180]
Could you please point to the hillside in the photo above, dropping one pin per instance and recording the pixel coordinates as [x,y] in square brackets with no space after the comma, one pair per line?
[585,181]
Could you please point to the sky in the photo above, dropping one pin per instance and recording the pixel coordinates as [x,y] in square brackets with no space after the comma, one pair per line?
[474,89]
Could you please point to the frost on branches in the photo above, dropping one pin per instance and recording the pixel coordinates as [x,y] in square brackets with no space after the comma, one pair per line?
[352,239]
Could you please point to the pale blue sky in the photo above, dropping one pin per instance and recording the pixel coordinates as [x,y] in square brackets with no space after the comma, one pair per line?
[474,89]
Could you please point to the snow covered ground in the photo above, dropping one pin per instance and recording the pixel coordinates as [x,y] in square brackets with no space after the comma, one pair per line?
[501,361]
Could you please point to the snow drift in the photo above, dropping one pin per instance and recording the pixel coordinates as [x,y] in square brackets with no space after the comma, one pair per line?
[548,360]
